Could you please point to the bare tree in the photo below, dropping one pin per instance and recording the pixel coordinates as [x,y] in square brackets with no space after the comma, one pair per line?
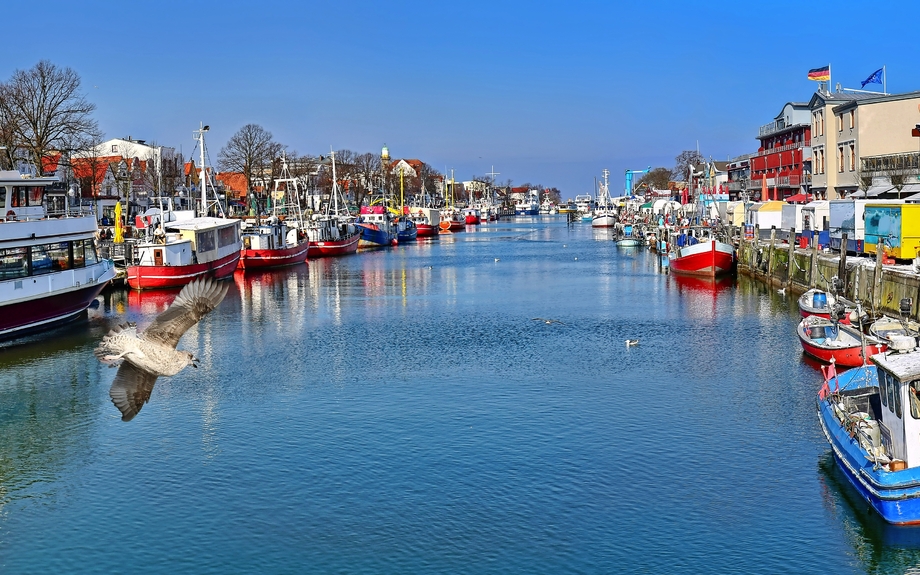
[43,111]
[251,151]
[683,162]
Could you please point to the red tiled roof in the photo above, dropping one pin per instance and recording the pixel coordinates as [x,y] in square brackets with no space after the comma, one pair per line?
[233,181]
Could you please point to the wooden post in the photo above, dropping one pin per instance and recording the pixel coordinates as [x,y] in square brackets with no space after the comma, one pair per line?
[842,265]
[877,277]
[790,266]
[813,274]
[770,261]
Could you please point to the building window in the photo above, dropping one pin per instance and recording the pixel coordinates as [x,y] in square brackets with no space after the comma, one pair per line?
[840,159]
[114,148]
[821,118]
[852,157]
[852,118]
[839,122]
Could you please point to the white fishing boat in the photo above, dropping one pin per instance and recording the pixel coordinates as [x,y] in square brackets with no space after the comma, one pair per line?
[605,216]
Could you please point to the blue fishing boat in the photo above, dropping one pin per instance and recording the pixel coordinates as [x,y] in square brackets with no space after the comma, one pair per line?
[871,418]
[377,227]
[406,230]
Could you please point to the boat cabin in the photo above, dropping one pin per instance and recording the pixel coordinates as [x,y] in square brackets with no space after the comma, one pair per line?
[271,236]
[899,409]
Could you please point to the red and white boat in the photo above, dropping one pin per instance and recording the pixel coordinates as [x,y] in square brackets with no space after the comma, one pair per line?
[472,216]
[452,221]
[423,221]
[708,258]
[839,343]
[180,248]
[816,302]
[273,245]
[50,271]
[185,250]
[333,233]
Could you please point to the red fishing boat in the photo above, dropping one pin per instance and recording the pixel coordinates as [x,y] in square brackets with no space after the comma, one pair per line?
[183,251]
[423,221]
[472,216]
[452,221]
[179,249]
[333,233]
[839,343]
[707,257]
[273,245]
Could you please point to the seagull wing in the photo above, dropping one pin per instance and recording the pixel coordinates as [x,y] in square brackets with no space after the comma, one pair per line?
[131,389]
[193,303]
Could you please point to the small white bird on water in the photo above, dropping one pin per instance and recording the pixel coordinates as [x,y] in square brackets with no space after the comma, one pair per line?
[781,291]
[632,342]
[145,357]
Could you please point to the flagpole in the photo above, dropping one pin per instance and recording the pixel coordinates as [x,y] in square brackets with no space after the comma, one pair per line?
[830,80]
[884,80]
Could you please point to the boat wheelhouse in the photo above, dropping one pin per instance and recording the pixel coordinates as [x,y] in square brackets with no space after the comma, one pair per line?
[50,270]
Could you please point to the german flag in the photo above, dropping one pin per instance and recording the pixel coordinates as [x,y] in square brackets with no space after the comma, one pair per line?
[822,74]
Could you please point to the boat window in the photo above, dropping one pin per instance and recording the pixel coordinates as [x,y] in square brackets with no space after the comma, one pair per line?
[18,197]
[89,252]
[60,255]
[13,263]
[205,241]
[883,386]
[41,261]
[896,388]
[35,195]
[914,395]
[3,197]
[226,236]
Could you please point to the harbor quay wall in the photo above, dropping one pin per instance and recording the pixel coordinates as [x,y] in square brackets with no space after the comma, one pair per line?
[878,286]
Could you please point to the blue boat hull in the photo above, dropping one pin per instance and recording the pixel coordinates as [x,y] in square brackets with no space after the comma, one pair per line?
[407,234]
[895,495]
[372,237]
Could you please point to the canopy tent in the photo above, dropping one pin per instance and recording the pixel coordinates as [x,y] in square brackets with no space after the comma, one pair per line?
[799,198]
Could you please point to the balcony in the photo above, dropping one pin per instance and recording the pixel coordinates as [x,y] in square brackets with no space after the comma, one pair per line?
[906,163]
[786,148]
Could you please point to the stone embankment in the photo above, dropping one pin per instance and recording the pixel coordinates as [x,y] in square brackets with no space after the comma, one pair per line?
[878,286]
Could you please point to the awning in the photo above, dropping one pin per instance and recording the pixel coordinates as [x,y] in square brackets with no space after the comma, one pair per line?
[799,198]
[872,192]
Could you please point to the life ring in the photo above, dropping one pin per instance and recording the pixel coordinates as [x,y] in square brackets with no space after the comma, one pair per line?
[11,215]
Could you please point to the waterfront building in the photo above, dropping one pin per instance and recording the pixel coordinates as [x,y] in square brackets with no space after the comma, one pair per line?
[824,140]
[783,160]
[738,182]
[876,150]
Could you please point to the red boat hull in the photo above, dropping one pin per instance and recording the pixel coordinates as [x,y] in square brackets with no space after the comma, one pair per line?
[160,277]
[456,226]
[426,230]
[704,259]
[264,259]
[848,356]
[335,248]
[32,315]
[472,220]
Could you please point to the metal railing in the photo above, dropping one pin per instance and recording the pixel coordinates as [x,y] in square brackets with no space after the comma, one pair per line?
[904,162]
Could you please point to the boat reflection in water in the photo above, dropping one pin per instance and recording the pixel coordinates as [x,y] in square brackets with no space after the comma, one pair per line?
[879,546]
[703,284]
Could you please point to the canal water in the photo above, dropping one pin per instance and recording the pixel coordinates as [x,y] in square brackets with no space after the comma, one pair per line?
[461,405]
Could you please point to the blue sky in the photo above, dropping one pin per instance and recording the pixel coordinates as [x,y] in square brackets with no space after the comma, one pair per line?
[547,92]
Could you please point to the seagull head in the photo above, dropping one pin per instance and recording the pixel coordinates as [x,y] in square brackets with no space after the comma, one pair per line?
[192,360]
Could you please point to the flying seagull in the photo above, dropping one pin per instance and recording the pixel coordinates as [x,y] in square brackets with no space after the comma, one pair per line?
[145,357]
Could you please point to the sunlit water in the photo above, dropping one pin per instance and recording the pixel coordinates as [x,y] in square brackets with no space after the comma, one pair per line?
[401,411]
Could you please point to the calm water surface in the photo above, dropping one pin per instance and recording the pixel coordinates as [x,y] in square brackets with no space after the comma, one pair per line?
[401,411]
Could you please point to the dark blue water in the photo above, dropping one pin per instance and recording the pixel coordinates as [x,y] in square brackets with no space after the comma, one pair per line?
[401,411]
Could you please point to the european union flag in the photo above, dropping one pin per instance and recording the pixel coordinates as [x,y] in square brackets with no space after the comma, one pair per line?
[875,78]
